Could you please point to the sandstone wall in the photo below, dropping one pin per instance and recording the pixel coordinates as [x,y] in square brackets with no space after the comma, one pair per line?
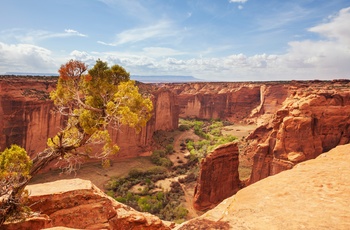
[25,113]
[313,120]
[218,178]
[27,118]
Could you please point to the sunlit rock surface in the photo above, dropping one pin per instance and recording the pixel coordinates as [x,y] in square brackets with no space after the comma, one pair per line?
[315,194]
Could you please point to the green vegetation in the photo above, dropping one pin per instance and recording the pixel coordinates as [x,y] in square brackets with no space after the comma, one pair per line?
[159,157]
[15,167]
[210,134]
[149,198]
[139,189]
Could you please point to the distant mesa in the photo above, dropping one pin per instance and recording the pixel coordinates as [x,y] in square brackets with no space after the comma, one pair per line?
[164,79]
[141,78]
[30,74]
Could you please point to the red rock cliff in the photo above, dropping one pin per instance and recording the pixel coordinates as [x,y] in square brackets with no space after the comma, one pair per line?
[25,113]
[218,178]
[27,119]
[313,120]
[313,195]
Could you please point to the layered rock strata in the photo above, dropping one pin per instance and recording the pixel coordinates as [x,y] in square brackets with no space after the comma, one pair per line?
[27,116]
[218,177]
[79,204]
[314,194]
[311,121]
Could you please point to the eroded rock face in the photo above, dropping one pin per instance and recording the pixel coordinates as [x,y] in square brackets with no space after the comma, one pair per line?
[231,101]
[79,204]
[25,114]
[27,118]
[314,194]
[218,178]
[312,121]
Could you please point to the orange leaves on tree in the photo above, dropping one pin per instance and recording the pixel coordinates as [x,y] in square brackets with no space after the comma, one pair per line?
[72,70]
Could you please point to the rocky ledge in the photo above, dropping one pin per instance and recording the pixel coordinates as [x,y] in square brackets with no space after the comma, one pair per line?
[79,204]
[315,194]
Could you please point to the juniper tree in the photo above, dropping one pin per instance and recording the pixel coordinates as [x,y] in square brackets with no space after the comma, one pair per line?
[92,102]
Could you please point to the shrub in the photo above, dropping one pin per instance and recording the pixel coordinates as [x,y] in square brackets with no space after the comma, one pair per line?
[169,149]
[183,128]
[135,173]
[158,157]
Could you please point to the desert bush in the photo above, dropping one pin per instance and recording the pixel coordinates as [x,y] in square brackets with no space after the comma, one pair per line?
[135,173]
[158,157]
[169,149]
[183,128]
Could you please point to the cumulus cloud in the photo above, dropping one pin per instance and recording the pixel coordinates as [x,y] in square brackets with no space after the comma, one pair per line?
[336,28]
[25,58]
[325,58]
[161,52]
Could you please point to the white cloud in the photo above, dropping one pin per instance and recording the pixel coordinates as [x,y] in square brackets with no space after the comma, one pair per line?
[337,28]
[70,32]
[326,58]
[34,36]
[161,52]
[238,1]
[25,58]
[159,30]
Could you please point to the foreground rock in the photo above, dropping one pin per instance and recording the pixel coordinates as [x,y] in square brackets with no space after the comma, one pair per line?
[218,178]
[79,204]
[313,195]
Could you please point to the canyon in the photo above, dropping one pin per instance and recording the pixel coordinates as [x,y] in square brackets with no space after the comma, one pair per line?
[296,121]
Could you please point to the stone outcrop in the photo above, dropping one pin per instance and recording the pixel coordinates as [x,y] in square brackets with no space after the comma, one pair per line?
[79,204]
[313,195]
[218,177]
[312,121]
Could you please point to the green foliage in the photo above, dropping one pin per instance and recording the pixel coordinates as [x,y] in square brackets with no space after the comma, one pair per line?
[15,167]
[210,132]
[165,204]
[158,157]
[183,128]
[169,149]
[104,97]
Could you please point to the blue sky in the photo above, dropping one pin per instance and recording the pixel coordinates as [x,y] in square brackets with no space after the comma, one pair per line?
[214,40]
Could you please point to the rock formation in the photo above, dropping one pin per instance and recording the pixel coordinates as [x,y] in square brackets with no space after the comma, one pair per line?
[25,113]
[28,120]
[312,121]
[297,120]
[313,195]
[79,204]
[218,178]
[230,101]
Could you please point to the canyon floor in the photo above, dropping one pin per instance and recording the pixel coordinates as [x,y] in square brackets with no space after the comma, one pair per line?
[99,176]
